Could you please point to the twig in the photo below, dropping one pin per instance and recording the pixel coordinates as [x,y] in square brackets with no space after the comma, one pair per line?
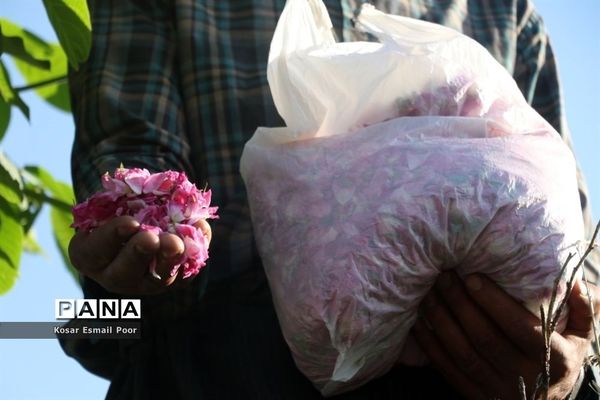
[43,197]
[34,215]
[551,317]
[544,382]
[594,325]
[557,284]
[538,385]
[36,85]
[522,391]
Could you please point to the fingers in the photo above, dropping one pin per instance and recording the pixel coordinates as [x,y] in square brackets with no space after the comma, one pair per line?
[130,266]
[569,348]
[169,257]
[520,326]
[124,260]
[120,263]
[439,358]
[524,330]
[148,264]
[93,251]
[482,333]
[482,340]
[205,229]
[452,338]
[582,311]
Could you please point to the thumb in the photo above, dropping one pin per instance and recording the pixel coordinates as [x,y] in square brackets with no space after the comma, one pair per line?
[582,311]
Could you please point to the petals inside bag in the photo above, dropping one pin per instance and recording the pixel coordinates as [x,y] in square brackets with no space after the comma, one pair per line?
[400,159]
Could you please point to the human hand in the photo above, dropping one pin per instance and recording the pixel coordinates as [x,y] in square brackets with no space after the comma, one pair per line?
[482,339]
[118,256]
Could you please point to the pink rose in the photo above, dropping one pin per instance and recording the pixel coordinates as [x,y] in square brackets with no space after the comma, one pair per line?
[162,202]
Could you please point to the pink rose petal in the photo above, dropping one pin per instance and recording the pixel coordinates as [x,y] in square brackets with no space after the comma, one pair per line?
[162,202]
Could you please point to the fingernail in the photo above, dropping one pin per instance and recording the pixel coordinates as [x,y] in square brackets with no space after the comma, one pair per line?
[173,254]
[143,249]
[167,254]
[129,229]
[473,282]
[153,272]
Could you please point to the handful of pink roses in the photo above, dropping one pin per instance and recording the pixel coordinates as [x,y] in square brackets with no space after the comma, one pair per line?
[162,202]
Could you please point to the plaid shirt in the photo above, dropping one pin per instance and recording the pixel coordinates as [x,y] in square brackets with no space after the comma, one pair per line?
[182,85]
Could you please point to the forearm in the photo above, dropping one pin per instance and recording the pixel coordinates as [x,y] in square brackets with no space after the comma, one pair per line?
[126,101]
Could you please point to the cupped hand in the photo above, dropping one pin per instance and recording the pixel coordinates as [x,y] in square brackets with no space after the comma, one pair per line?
[483,340]
[118,256]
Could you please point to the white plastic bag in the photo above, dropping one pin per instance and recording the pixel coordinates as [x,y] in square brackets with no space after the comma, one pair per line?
[400,159]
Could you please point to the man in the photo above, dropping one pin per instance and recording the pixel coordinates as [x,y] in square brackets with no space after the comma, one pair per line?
[182,85]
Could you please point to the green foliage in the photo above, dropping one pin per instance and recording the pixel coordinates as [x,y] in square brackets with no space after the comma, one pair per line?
[30,244]
[11,184]
[4,117]
[9,94]
[11,231]
[56,92]
[47,72]
[23,192]
[71,22]
[61,225]
[61,198]
[22,195]
[58,194]
[23,44]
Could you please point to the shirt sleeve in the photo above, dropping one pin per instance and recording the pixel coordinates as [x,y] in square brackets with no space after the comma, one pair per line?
[536,75]
[126,100]
[128,110]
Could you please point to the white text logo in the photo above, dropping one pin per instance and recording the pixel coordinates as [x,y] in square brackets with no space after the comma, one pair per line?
[97,308]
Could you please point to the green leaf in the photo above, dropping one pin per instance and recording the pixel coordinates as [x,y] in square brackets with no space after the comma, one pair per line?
[57,93]
[59,190]
[11,184]
[71,22]
[39,61]
[34,205]
[4,117]
[60,216]
[11,244]
[61,226]
[30,244]
[23,44]
[8,93]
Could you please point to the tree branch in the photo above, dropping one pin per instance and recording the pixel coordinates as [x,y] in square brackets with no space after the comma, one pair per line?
[43,197]
[36,85]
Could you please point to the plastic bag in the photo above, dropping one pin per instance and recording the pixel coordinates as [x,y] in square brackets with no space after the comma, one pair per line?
[400,159]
